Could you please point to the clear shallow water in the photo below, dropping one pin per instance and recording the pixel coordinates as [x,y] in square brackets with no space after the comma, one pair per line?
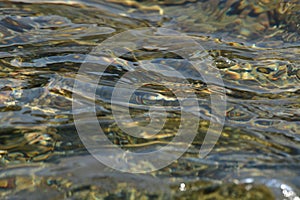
[43,44]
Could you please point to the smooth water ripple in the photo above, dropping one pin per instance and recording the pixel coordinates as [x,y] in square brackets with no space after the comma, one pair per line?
[255,46]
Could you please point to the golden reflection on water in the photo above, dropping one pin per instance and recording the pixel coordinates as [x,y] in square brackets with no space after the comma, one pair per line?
[255,46]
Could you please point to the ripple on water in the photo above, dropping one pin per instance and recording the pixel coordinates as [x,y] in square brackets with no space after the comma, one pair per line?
[43,44]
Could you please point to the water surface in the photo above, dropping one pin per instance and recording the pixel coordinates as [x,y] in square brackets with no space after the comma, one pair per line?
[255,46]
